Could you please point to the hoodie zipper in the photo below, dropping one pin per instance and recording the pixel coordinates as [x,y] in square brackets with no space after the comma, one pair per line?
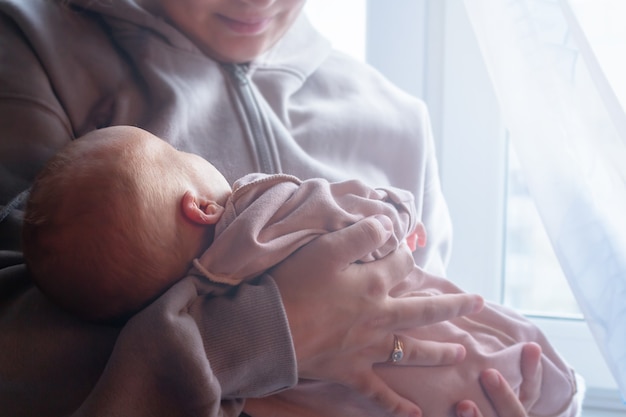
[253,116]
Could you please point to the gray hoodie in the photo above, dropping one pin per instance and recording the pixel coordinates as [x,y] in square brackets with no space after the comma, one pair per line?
[301,109]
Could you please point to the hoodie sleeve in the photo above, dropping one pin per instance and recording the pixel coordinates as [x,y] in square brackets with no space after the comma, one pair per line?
[33,124]
[191,353]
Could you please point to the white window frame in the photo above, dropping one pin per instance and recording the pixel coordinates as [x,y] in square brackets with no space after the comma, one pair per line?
[427,47]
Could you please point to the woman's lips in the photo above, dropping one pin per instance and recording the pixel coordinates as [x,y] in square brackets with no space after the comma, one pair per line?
[247,26]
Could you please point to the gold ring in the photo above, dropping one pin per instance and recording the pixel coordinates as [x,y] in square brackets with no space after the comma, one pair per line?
[397,353]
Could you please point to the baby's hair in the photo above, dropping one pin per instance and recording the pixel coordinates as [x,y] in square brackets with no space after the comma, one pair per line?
[91,234]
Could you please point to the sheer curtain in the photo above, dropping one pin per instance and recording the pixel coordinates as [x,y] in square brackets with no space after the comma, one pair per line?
[553,68]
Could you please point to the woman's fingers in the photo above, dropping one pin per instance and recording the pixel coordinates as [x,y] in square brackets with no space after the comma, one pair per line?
[373,387]
[504,400]
[530,389]
[371,233]
[409,312]
[502,397]
[343,318]
[424,353]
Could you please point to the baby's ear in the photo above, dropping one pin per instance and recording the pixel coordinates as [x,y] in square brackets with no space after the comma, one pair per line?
[201,210]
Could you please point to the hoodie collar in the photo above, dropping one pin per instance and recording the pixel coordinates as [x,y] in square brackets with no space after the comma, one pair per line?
[302,50]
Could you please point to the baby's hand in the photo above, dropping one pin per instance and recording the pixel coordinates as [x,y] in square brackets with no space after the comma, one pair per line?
[417,238]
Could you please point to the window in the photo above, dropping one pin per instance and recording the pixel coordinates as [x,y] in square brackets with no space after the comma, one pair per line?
[603,24]
[500,248]
[530,264]
[533,281]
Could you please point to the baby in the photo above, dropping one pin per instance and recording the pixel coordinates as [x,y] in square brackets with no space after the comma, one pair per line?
[116,218]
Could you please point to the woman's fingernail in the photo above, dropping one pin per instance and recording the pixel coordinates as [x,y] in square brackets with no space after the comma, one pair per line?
[460,354]
[491,378]
[479,304]
[466,411]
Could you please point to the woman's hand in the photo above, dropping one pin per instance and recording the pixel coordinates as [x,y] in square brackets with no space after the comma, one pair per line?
[343,320]
[504,400]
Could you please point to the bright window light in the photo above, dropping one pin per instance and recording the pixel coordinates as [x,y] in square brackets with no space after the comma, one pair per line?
[342,22]
[602,21]
[533,279]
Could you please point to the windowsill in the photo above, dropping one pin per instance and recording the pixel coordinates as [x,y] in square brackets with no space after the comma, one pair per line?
[603,403]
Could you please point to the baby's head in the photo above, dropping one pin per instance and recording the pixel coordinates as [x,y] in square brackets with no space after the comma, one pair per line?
[115,218]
